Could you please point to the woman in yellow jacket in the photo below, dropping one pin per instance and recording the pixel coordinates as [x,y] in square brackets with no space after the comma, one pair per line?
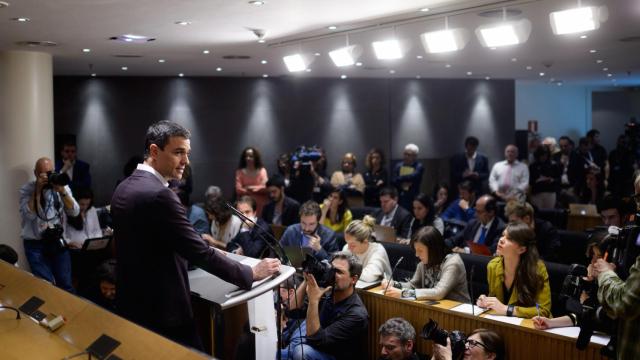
[518,279]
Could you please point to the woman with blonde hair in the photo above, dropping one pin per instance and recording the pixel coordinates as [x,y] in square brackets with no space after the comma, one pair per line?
[372,255]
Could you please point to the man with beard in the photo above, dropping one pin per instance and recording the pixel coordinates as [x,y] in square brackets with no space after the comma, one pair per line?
[281,210]
[310,234]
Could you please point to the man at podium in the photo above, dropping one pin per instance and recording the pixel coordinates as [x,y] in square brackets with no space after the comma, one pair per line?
[154,241]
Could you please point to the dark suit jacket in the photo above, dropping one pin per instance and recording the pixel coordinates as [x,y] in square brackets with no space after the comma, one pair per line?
[154,240]
[253,242]
[459,165]
[290,210]
[81,174]
[547,240]
[401,221]
[469,232]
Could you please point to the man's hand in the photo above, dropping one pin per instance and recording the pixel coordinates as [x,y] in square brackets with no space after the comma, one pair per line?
[41,181]
[442,352]
[314,241]
[68,164]
[464,204]
[314,292]
[265,268]
[600,266]
[59,189]
[403,241]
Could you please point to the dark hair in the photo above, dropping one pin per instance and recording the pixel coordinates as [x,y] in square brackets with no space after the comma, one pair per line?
[8,254]
[439,186]
[471,140]
[131,165]
[389,191]
[367,161]
[77,222]
[610,202]
[276,180]
[217,206]
[432,239]
[493,342]
[541,151]
[583,141]
[246,199]
[355,267]
[466,185]
[565,137]
[160,133]
[107,271]
[310,208]
[427,202]
[591,133]
[257,159]
[286,158]
[527,281]
[342,208]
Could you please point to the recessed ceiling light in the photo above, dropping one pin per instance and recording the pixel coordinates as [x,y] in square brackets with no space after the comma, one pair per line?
[447,65]
[256,2]
[263,62]
[307,70]
[598,61]
[132,38]
[181,74]
[218,69]
[94,75]
[418,76]
[583,36]
[559,83]
[124,68]
[262,41]
[317,54]
[358,63]
[529,67]
[265,75]
[493,48]
[514,59]
[86,50]
[392,71]
[128,40]
[419,57]
[183,22]
[343,76]
[21,19]
[541,74]
[426,9]
[593,51]
[605,69]
[206,52]
[332,27]
[609,75]
[469,73]
[161,60]
[487,78]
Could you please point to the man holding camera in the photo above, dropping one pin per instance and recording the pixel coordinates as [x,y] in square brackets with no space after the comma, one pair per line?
[336,320]
[42,202]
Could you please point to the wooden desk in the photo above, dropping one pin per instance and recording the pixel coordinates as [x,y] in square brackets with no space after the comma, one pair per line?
[85,322]
[523,341]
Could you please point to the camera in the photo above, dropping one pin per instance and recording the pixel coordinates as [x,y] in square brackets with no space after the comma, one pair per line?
[52,237]
[54,178]
[432,332]
[306,154]
[322,271]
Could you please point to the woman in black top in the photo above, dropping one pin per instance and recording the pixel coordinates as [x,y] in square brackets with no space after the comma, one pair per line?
[375,178]
[544,179]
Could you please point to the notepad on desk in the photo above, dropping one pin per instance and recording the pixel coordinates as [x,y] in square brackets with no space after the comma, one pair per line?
[574,331]
[505,319]
[468,309]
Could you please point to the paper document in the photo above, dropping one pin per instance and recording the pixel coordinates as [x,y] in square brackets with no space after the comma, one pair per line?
[505,319]
[466,308]
[367,285]
[574,331]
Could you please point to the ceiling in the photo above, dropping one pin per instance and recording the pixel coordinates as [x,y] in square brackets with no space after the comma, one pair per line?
[224,28]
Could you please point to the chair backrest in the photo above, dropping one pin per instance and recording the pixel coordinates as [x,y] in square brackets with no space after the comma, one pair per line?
[557,274]
[557,217]
[573,245]
[479,263]
[358,212]
[407,267]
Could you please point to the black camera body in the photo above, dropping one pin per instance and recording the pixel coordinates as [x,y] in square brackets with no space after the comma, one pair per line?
[431,331]
[52,237]
[322,271]
[54,178]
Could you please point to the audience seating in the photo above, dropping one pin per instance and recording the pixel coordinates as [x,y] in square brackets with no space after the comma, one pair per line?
[407,267]
[557,217]
[358,212]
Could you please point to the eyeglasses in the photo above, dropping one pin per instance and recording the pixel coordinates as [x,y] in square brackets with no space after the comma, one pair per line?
[470,344]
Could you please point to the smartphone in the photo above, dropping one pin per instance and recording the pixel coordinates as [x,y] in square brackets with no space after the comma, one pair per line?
[31,305]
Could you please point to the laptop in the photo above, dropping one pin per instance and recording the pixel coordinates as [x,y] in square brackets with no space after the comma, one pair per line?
[296,255]
[384,233]
[583,209]
[98,243]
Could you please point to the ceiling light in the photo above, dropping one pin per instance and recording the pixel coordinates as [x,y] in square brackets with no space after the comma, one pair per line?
[181,74]
[387,50]
[94,75]
[161,60]
[575,20]
[514,59]
[605,69]
[529,67]
[218,69]
[469,73]
[444,40]
[358,63]
[265,75]
[295,62]
[487,78]
[256,3]
[206,52]
[447,65]
[593,51]
[504,34]
[128,40]
[426,9]
[609,75]
[124,68]
[419,57]
[317,54]
[392,71]
[541,74]
[21,19]
[262,41]
[583,36]
[263,62]
[307,70]
[343,76]
[332,27]
[183,22]
[598,61]
[418,77]
[86,50]
[132,38]
[345,56]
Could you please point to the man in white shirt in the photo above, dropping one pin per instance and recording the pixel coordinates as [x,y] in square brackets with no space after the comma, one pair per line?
[509,179]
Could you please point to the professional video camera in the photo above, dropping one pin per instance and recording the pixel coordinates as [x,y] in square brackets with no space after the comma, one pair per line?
[322,271]
[430,331]
[306,154]
[55,178]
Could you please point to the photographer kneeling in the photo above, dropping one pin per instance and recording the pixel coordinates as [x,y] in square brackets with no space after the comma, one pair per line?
[41,205]
[336,320]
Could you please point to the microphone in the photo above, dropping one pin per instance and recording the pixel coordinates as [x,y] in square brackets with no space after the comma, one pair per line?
[473,268]
[279,251]
[392,272]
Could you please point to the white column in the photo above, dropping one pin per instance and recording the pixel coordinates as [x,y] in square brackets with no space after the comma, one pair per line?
[26,132]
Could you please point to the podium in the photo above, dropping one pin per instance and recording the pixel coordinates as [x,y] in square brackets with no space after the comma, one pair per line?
[226,309]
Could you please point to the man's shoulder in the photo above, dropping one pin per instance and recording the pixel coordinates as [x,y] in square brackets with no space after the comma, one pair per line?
[289,202]
[325,232]
[402,213]
[28,186]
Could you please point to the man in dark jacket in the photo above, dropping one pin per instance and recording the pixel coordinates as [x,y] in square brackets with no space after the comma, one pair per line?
[481,235]
[282,210]
[155,240]
[392,214]
[547,238]
[470,165]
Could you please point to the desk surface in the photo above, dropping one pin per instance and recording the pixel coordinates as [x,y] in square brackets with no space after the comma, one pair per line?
[531,343]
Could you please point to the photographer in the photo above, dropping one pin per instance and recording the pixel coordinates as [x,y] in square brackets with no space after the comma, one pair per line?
[481,344]
[336,320]
[42,202]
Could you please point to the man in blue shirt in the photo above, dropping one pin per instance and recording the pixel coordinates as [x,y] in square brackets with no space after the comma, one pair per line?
[310,234]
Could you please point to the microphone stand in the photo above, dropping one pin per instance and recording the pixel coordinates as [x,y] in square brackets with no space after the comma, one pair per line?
[278,250]
[473,267]
[392,272]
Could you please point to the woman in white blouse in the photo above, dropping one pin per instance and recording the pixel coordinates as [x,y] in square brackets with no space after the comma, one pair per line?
[372,255]
[224,224]
[84,226]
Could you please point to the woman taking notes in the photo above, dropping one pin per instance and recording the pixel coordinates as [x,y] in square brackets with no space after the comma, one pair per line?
[440,274]
[518,279]
[372,255]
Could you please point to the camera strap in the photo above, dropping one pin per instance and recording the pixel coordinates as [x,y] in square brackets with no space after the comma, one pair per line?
[45,205]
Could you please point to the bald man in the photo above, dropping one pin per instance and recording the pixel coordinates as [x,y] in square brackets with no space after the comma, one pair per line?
[41,208]
[509,179]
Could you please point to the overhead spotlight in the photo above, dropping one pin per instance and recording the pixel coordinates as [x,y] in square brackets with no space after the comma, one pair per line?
[256,3]
[21,19]
[263,62]
[265,76]
[387,50]
[317,54]
[392,71]
[332,27]
[343,76]
[426,9]
[183,22]
[593,51]
[419,57]
[609,75]
[444,40]
[577,20]
[469,73]
[345,56]
[218,69]
[262,41]
[94,75]
[181,75]
[583,36]
[598,61]
[206,52]
[161,60]
[358,63]
[124,68]
[541,74]
[605,69]
[296,62]
[504,33]
[529,67]
[86,50]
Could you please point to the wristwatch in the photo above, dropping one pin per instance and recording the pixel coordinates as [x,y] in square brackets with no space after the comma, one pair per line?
[510,309]
[408,293]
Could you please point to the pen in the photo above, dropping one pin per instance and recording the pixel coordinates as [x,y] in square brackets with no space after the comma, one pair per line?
[606,254]
[538,309]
